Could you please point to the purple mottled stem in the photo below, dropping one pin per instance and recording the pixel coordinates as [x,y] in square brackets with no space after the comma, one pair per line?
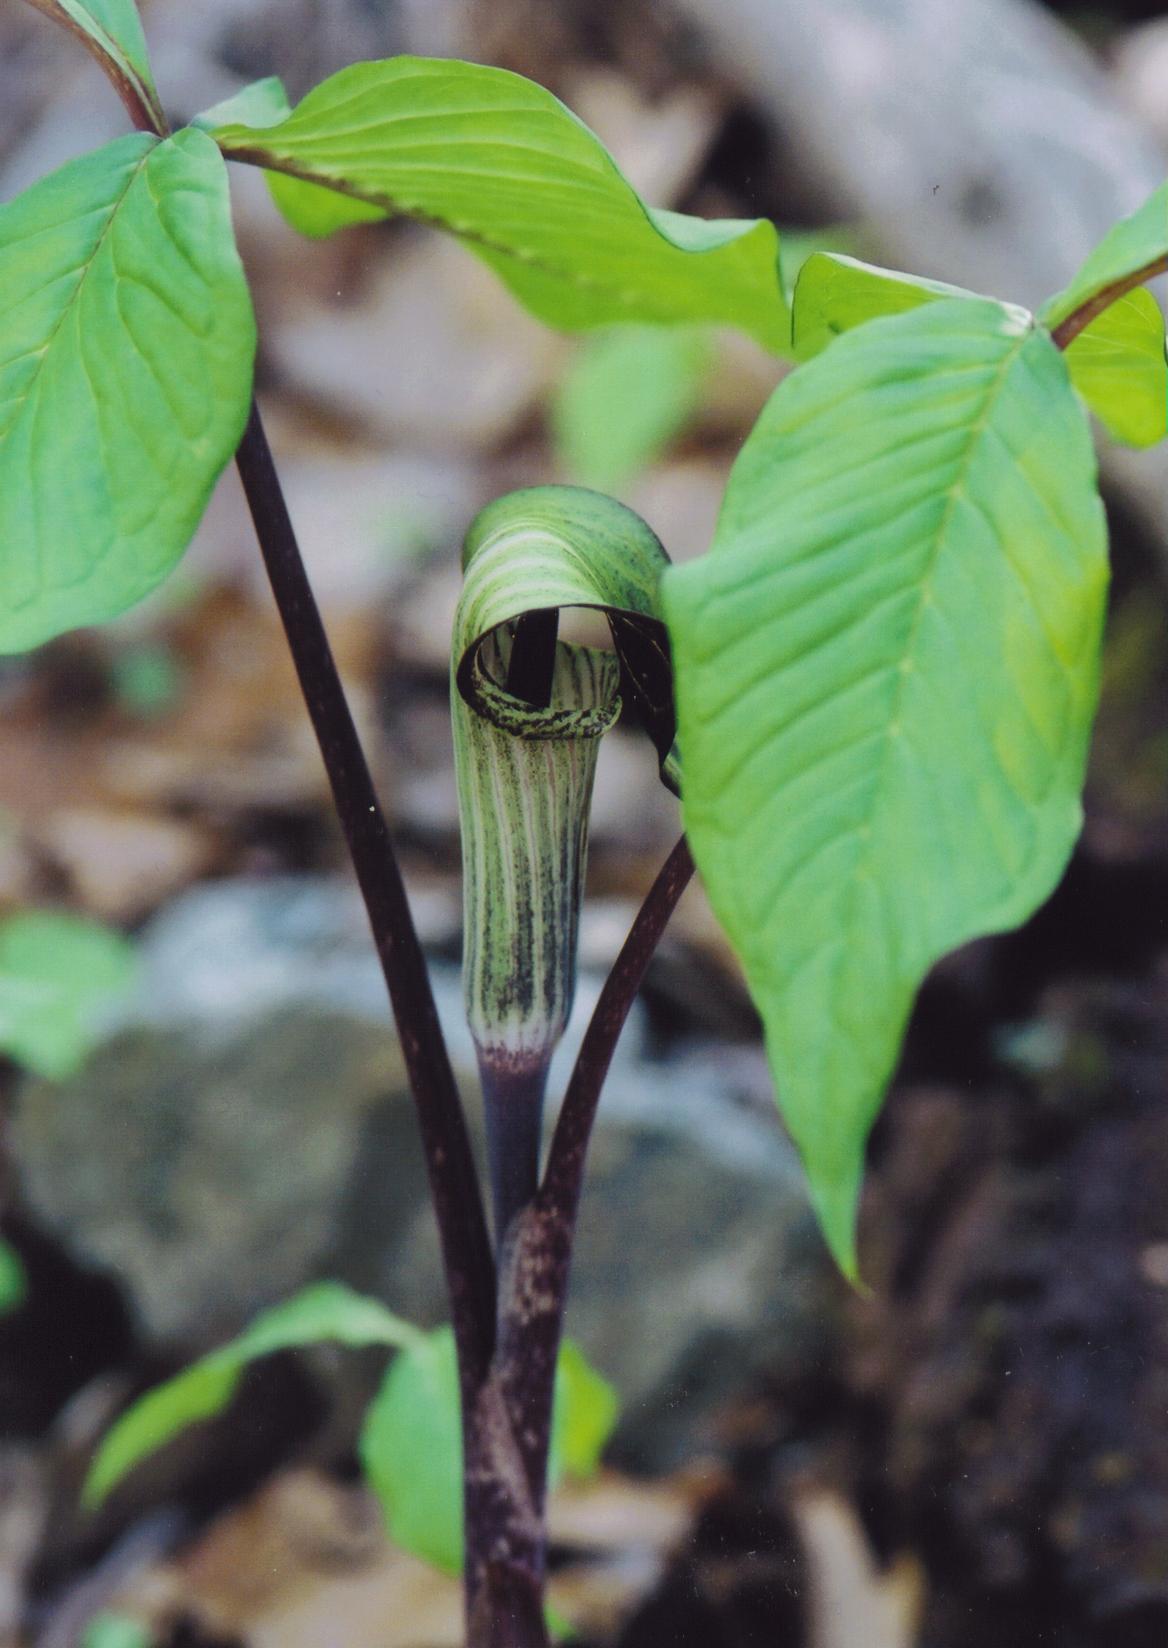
[514,1426]
[466,1248]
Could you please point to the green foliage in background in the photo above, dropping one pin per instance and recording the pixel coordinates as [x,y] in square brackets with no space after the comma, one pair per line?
[148,679]
[628,393]
[115,1631]
[411,1446]
[60,975]
[13,1279]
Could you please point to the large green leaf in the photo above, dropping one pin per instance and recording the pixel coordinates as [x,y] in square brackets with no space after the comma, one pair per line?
[1132,246]
[886,671]
[326,1312]
[411,1445]
[502,164]
[59,974]
[126,347]
[112,31]
[1117,364]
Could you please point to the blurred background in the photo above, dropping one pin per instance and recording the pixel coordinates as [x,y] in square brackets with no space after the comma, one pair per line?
[975,1451]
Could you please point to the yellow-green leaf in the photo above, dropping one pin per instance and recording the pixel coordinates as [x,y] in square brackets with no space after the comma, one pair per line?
[1132,245]
[1117,364]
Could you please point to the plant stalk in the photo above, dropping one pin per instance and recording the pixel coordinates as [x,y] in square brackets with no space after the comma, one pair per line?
[458,1206]
[512,1429]
[508,1341]
[513,1098]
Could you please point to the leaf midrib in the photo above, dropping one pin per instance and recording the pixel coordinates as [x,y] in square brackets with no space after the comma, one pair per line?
[765,960]
[955,491]
[475,237]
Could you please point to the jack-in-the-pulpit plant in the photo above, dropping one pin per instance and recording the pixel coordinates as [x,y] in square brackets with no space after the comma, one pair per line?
[874,693]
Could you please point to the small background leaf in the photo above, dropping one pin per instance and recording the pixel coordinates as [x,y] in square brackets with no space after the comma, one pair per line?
[502,164]
[13,1279]
[125,376]
[411,1445]
[326,1312]
[887,669]
[115,1631]
[411,1452]
[586,1413]
[59,976]
[625,397]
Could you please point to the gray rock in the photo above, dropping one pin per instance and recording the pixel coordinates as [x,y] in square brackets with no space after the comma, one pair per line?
[247,1128]
[978,138]
[210,1178]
